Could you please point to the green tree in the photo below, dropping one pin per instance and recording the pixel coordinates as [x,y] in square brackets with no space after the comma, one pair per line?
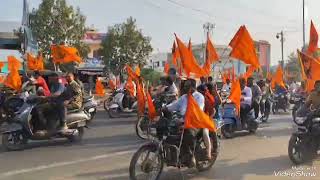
[125,44]
[293,66]
[151,76]
[55,22]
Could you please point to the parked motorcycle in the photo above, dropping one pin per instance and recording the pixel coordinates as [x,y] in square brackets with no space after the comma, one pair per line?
[149,160]
[232,121]
[280,101]
[115,108]
[23,124]
[304,142]
[90,106]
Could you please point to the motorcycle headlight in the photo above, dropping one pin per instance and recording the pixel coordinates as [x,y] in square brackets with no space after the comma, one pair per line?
[282,96]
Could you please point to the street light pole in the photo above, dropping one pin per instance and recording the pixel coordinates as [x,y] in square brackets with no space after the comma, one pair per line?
[280,35]
[303,23]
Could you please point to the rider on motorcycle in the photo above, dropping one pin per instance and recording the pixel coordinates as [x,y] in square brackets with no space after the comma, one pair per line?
[314,98]
[189,135]
[71,98]
[256,96]
[245,101]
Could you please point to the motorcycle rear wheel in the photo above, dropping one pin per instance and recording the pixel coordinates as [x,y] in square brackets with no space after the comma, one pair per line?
[215,145]
[114,113]
[146,164]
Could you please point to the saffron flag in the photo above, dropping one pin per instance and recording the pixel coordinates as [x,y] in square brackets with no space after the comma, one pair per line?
[235,38]
[130,87]
[99,88]
[166,68]
[243,49]
[303,70]
[189,63]
[131,73]
[175,54]
[313,42]
[151,108]
[112,85]
[235,94]
[278,78]
[310,85]
[211,54]
[310,66]
[35,63]
[138,71]
[196,118]
[64,54]
[1,65]
[13,79]
[140,99]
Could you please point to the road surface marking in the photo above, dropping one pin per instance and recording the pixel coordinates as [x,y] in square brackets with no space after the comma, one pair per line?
[59,164]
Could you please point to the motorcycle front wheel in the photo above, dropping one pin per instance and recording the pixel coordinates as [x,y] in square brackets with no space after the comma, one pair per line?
[298,150]
[114,113]
[227,131]
[146,163]
[142,128]
[14,141]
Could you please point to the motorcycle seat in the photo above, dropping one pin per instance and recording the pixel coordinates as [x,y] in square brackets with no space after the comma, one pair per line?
[72,111]
[76,116]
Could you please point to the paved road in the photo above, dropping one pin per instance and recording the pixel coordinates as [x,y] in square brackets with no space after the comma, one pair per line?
[109,144]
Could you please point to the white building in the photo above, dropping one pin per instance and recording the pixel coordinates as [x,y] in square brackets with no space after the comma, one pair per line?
[157,61]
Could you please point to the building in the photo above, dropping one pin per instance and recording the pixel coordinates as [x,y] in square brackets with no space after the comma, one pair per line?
[94,39]
[157,61]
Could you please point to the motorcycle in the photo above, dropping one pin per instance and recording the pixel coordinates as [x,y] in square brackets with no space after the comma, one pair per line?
[114,105]
[145,128]
[297,101]
[23,124]
[266,103]
[232,121]
[280,101]
[304,142]
[149,160]
[90,106]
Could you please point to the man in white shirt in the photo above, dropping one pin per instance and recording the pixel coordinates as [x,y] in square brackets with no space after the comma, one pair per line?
[245,102]
[180,105]
[227,87]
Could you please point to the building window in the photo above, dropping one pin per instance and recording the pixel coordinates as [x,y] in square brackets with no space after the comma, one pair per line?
[156,64]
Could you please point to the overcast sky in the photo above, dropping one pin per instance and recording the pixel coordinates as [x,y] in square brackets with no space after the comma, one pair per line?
[161,18]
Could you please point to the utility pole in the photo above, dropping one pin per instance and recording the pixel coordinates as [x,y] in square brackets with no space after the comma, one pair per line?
[303,23]
[280,35]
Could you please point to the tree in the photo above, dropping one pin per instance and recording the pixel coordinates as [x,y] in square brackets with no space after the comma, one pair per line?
[151,76]
[55,22]
[293,66]
[125,44]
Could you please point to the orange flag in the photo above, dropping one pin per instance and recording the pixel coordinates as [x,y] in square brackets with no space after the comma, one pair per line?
[1,65]
[175,54]
[64,54]
[138,71]
[207,67]
[140,99]
[278,78]
[112,85]
[35,63]
[196,118]
[189,63]
[166,68]
[2,78]
[303,73]
[249,72]
[99,88]
[310,85]
[151,108]
[243,49]
[133,75]
[209,96]
[313,42]
[235,38]
[211,53]
[13,79]
[310,66]
[235,94]
[130,87]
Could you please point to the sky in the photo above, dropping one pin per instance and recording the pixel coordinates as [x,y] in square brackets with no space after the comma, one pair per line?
[160,19]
